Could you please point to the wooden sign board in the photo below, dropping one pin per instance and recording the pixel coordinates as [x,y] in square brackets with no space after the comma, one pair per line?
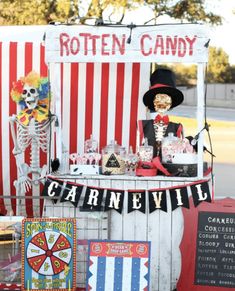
[118,265]
[48,254]
[160,43]
[208,247]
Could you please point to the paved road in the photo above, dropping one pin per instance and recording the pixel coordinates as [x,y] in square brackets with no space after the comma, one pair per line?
[226,114]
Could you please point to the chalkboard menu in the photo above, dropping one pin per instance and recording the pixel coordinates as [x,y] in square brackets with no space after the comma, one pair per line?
[215,250]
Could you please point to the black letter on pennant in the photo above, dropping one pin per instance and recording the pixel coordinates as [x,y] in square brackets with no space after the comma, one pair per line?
[200,192]
[72,193]
[93,198]
[114,200]
[179,197]
[136,201]
[157,200]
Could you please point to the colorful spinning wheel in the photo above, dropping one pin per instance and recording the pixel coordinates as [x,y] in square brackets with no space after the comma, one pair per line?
[49,253]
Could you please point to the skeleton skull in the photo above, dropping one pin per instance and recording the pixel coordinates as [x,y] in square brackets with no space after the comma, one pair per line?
[162,103]
[30,96]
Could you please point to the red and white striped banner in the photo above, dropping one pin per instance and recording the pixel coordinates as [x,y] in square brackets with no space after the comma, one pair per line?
[102,99]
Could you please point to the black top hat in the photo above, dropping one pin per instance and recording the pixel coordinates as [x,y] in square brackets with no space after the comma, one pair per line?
[163,81]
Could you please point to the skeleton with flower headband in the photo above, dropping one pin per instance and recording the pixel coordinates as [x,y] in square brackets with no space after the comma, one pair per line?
[32,127]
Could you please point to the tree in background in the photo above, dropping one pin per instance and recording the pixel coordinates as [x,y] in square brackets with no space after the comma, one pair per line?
[219,70]
[20,12]
[25,12]
[186,75]
[191,11]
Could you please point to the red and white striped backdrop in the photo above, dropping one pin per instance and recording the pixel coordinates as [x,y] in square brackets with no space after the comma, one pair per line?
[103,99]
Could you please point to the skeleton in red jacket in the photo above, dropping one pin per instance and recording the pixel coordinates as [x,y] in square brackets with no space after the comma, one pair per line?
[161,97]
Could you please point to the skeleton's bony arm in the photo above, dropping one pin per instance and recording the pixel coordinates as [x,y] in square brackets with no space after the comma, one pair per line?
[16,149]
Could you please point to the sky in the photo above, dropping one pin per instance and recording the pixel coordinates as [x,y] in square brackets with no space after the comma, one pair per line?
[221,36]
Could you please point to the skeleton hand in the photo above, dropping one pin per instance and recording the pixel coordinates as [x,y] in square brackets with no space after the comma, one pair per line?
[25,183]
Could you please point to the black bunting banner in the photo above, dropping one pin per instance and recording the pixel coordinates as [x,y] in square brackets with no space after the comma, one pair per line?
[114,200]
[179,197]
[72,194]
[157,200]
[200,193]
[52,189]
[136,200]
[93,198]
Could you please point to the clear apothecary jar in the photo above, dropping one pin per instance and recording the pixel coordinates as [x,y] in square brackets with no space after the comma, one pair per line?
[113,159]
[91,145]
[171,145]
[145,152]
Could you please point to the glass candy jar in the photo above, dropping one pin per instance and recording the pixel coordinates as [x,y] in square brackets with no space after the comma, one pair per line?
[113,162]
[145,152]
[131,162]
[170,146]
[91,146]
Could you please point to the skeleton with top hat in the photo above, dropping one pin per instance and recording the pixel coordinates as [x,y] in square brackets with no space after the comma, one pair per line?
[161,97]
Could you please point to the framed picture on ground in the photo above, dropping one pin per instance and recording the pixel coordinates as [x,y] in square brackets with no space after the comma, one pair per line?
[48,254]
[118,265]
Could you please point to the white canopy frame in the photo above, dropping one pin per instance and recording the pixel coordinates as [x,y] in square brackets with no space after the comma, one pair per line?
[177,43]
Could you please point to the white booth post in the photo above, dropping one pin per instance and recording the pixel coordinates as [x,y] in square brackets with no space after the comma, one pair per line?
[184,43]
[200,116]
[55,77]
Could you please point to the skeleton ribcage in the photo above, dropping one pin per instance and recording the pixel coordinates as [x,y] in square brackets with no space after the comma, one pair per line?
[159,130]
[37,133]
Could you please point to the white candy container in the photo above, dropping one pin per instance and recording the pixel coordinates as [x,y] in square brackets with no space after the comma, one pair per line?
[170,146]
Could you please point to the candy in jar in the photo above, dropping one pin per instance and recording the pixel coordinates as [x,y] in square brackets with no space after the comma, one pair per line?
[91,145]
[131,162]
[170,146]
[145,152]
[113,159]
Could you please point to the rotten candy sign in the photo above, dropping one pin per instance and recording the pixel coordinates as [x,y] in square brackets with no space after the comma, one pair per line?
[185,42]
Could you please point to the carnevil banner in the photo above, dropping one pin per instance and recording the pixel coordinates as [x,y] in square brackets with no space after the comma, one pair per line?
[101,199]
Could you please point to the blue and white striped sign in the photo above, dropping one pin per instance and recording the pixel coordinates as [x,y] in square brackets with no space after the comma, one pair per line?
[118,266]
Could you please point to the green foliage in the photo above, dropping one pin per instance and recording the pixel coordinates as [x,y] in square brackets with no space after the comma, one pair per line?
[27,12]
[194,11]
[185,74]
[24,12]
[219,70]
[232,72]
[183,10]
[20,12]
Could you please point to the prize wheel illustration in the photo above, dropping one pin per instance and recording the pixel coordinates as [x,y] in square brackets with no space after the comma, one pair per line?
[49,253]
